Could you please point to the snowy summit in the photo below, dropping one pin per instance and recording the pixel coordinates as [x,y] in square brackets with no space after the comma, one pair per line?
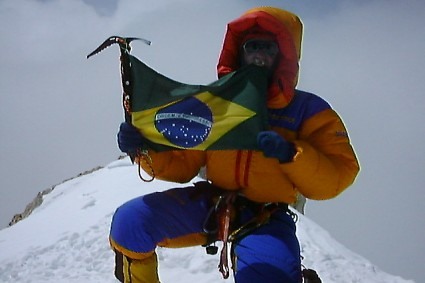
[65,239]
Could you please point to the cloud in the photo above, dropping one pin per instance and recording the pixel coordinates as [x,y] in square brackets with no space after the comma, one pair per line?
[103,7]
[46,98]
[366,60]
[365,57]
[57,107]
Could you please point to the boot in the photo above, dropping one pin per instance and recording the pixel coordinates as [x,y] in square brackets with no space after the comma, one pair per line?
[129,270]
[310,276]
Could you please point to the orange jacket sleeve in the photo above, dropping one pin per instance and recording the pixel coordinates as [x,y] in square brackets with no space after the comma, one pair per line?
[325,163]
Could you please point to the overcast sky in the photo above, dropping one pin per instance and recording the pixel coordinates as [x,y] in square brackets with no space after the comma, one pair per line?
[364,57]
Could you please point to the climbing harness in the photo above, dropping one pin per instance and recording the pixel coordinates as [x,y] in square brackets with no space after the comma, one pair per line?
[223,223]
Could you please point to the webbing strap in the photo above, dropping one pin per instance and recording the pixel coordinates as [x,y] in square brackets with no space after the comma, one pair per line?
[225,209]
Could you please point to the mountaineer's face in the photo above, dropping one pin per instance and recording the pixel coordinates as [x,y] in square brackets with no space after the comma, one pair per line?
[260,52]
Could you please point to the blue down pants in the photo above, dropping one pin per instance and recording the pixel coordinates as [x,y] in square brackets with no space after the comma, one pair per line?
[269,253]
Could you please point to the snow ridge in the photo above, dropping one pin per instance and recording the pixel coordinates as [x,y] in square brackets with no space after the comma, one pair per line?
[65,239]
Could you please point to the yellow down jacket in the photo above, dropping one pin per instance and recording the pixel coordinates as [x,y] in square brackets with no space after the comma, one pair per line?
[325,163]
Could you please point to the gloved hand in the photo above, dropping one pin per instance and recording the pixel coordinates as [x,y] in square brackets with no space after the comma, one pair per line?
[273,145]
[129,138]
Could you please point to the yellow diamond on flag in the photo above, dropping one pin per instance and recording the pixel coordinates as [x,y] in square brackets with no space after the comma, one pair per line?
[195,122]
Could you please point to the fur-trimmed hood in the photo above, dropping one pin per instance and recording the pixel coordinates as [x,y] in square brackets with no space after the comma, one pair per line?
[286,28]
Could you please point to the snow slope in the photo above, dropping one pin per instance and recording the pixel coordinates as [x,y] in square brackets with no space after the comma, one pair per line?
[66,239]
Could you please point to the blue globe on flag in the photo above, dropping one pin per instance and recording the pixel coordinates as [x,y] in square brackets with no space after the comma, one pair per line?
[186,123]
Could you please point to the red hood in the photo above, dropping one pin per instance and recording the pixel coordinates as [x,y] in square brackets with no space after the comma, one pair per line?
[286,29]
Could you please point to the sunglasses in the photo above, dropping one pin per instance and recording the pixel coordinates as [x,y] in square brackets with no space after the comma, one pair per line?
[255,45]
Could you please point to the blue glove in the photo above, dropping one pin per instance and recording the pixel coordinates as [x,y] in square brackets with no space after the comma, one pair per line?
[275,146]
[129,138]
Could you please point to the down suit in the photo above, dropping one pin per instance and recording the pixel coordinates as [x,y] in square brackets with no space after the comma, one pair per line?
[323,166]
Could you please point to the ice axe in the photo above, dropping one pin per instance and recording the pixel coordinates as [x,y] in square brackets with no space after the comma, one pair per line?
[125,48]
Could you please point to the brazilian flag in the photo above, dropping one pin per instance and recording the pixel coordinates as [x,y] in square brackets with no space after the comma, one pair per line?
[226,114]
